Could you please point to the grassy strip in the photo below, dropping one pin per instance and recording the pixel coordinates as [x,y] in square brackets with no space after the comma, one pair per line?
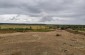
[12,30]
[75,32]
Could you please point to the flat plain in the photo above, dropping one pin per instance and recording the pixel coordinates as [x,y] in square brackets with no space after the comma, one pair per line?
[42,43]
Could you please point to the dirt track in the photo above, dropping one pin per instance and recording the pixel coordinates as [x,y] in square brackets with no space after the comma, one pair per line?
[42,43]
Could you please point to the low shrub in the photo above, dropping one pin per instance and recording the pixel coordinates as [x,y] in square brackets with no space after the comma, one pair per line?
[58,35]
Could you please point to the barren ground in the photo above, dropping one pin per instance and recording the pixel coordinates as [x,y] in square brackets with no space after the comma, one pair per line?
[42,43]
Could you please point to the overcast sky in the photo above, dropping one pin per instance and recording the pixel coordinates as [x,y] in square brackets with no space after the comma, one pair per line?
[42,11]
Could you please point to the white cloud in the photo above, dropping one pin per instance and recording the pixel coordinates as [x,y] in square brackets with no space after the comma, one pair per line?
[45,11]
[14,18]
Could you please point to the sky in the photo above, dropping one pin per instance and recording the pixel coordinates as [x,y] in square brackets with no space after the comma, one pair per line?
[42,11]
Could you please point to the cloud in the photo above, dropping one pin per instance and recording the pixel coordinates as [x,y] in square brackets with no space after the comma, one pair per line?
[45,11]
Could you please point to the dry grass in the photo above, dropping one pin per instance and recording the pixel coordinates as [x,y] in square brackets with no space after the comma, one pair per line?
[24,26]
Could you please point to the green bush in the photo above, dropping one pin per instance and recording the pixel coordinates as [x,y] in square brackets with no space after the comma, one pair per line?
[63,28]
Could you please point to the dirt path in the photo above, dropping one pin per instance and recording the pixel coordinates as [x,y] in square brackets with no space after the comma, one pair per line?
[42,43]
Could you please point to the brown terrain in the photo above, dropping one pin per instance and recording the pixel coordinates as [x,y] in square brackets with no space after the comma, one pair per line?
[42,43]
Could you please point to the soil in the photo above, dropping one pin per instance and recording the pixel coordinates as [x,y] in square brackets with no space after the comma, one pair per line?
[42,43]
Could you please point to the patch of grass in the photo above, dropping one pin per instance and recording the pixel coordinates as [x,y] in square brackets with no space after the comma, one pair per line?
[76,32]
[41,30]
[24,28]
[12,30]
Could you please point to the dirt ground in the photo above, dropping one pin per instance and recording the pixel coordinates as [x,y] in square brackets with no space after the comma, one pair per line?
[42,43]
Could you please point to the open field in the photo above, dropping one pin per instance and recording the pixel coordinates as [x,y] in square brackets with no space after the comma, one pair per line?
[42,40]
[42,43]
[9,28]
[24,26]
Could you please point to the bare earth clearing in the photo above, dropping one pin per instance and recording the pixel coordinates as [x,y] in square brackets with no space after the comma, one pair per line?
[42,43]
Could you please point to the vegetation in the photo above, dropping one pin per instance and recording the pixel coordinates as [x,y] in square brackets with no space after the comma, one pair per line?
[24,28]
[38,28]
[58,35]
[73,27]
